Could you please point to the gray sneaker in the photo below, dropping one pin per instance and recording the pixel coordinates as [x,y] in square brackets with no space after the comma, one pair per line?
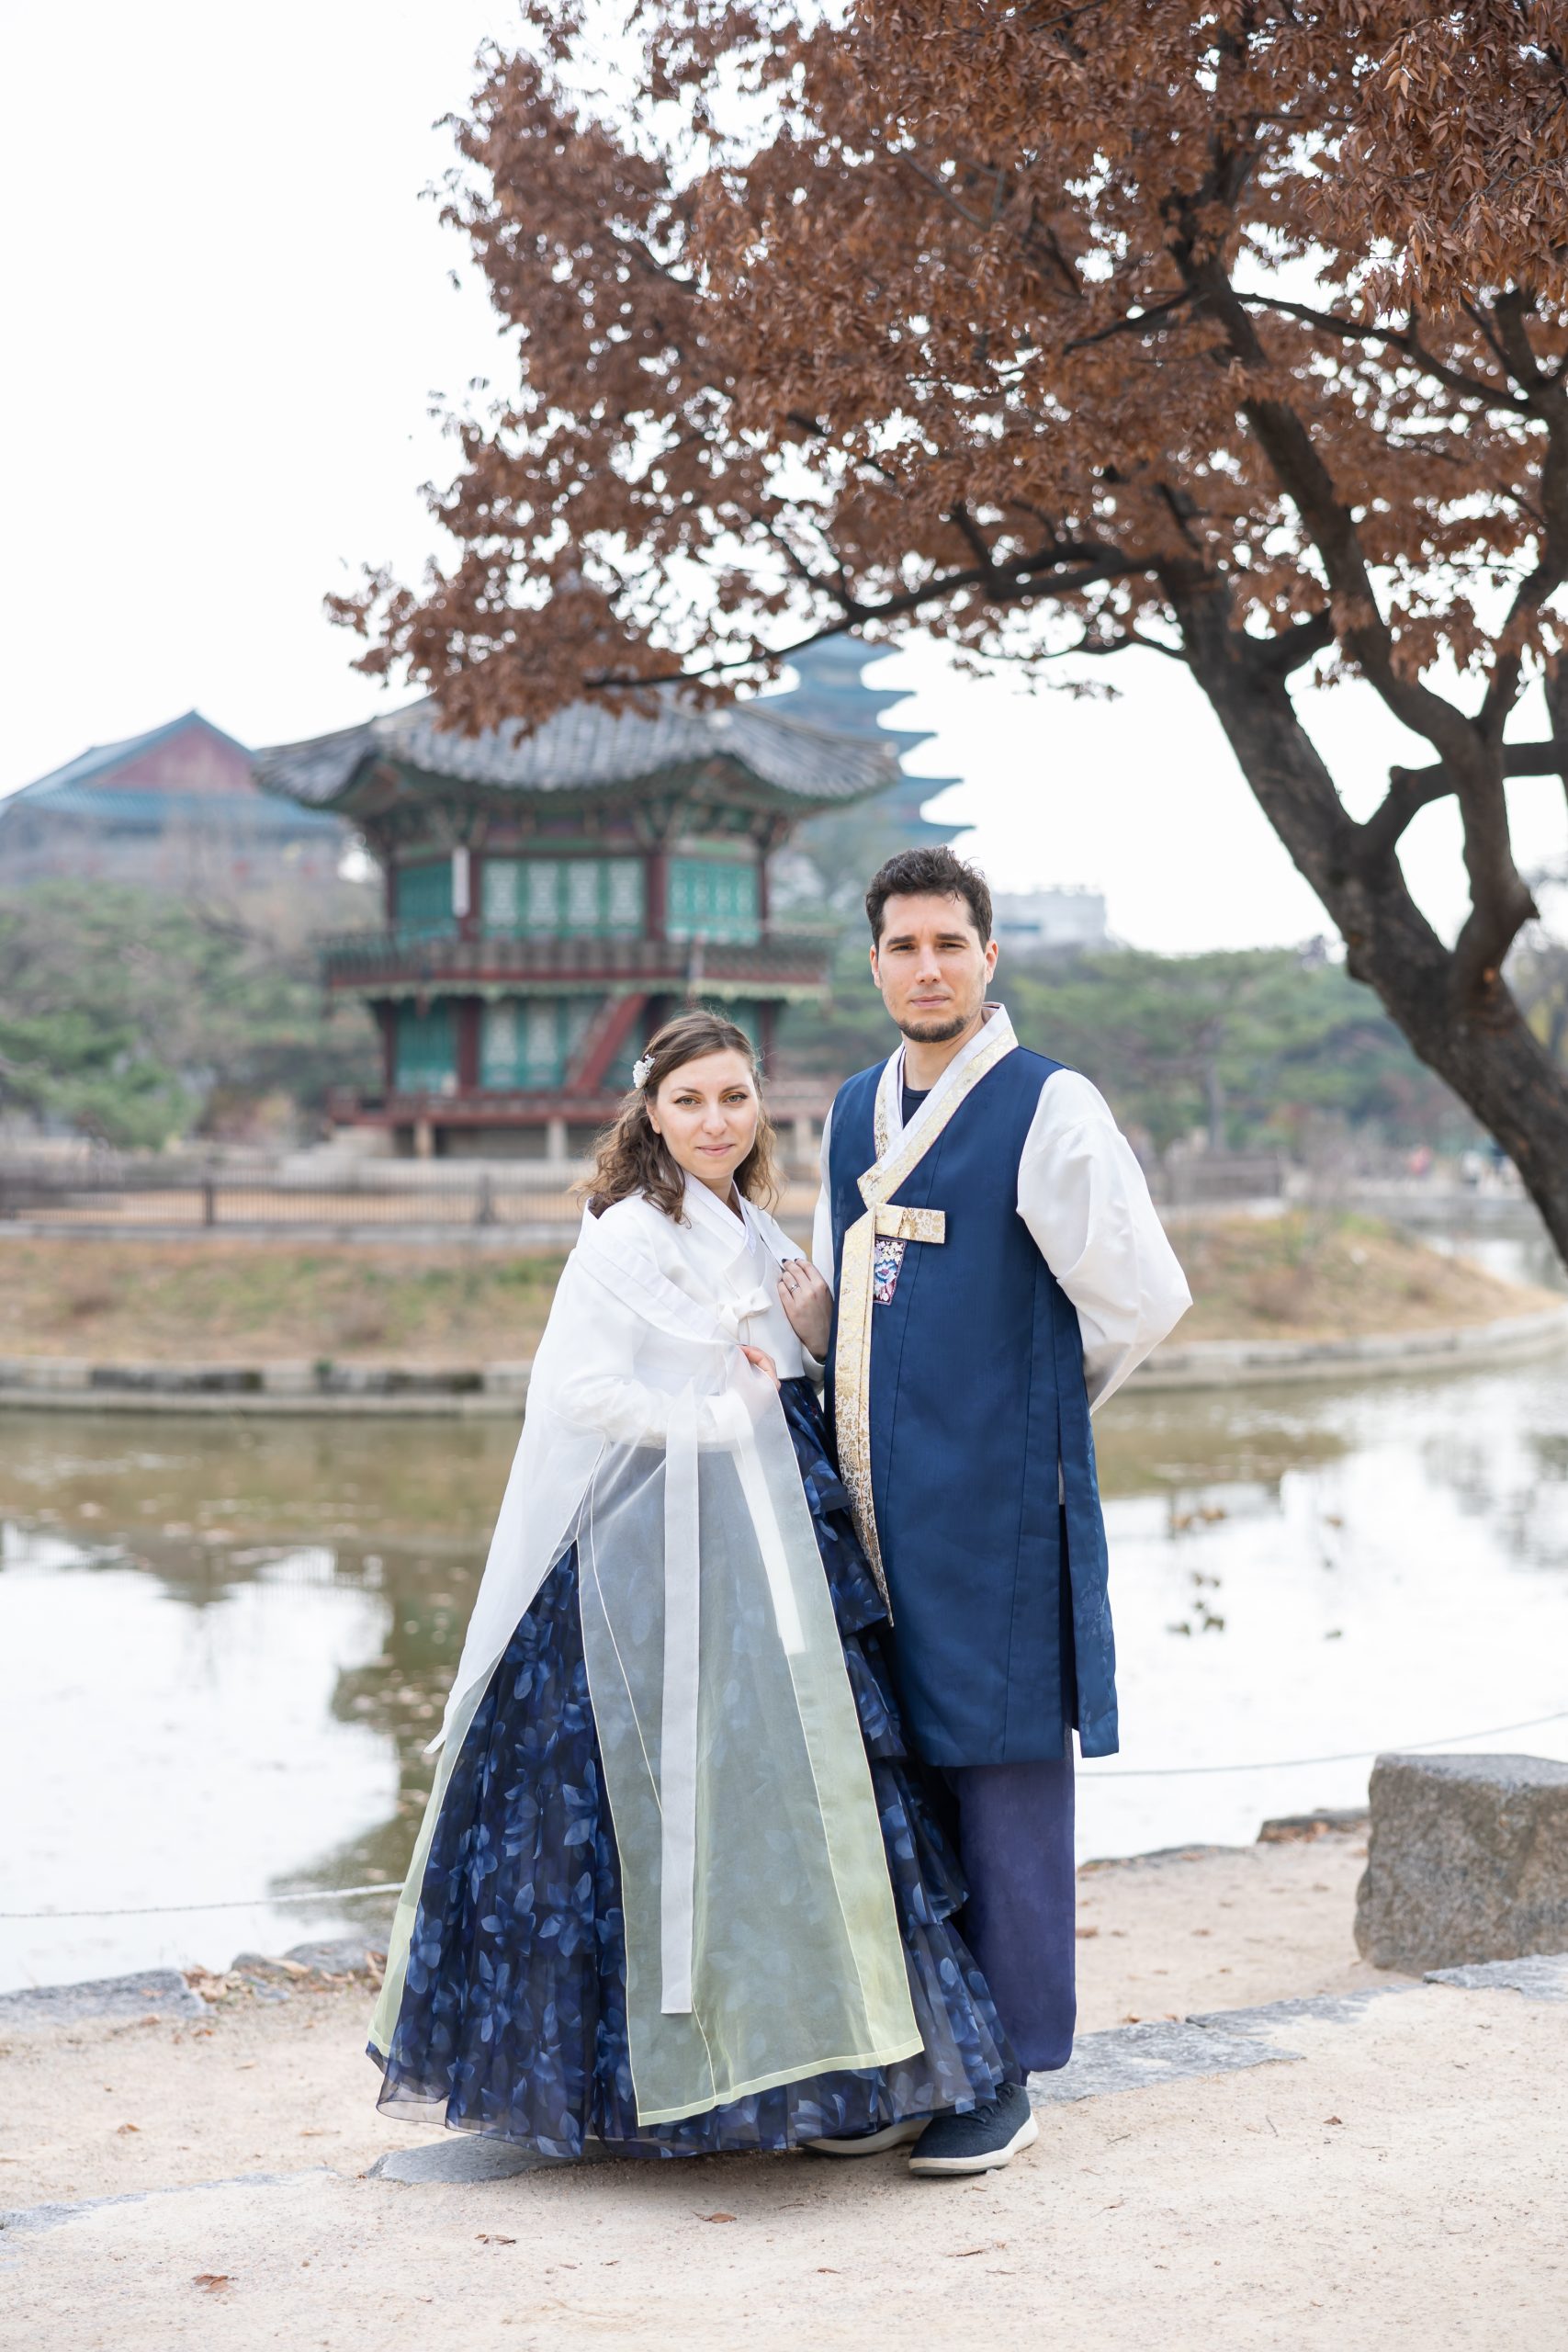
[982,2141]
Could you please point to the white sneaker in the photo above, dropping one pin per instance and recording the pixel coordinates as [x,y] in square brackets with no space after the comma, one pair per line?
[871,2143]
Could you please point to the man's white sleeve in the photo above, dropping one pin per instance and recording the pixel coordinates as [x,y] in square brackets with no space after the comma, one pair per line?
[822,1222]
[1082,1194]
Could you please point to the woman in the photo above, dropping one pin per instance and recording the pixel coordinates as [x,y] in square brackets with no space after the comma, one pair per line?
[679,1887]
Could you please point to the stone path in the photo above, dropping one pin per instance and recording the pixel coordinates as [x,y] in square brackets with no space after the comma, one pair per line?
[1386,2167]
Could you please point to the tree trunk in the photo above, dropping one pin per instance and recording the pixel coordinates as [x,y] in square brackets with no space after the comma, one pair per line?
[1482,1049]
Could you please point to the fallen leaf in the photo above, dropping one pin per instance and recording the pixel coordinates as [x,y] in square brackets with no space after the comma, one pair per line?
[1083,1934]
[243,2064]
[715,2217]
[1333,2119]
[493,2237]
[121,2129]
[826,2270]
[962,2253]
[210,2279]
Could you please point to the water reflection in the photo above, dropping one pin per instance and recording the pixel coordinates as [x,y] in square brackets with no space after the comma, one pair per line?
[229,1642]
[1300,1573]
[236,1640]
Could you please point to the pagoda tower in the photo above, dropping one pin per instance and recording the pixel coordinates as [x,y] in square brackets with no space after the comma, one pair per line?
[844,847]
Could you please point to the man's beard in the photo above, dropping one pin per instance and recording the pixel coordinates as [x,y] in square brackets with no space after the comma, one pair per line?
[936,1032]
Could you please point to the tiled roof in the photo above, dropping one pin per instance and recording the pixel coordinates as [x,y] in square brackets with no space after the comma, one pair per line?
[102,758]
[587,748]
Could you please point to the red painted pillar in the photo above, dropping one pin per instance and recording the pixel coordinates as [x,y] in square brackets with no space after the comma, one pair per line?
[466,1017]
[386,1020]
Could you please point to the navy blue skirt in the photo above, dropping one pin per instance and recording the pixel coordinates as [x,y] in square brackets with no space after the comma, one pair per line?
[513,2015]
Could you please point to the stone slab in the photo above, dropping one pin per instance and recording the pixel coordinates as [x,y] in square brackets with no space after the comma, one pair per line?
[1215,2042]
[150,1992]
[50,2216]
[467,2156]
[1136,2057]
[1539,1976]
[1272,2018]
[1467,1861]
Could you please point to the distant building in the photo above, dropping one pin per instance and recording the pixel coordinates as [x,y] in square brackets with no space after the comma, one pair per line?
[833,856]
[1045,919]
[175,810]
[550,899]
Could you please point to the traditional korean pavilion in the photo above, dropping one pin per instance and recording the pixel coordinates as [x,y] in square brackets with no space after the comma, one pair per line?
[551,897]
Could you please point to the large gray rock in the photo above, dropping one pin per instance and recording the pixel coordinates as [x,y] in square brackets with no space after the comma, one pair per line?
[1468,1860]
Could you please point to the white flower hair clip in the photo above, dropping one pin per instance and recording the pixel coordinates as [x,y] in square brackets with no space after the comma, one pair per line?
[640,1070]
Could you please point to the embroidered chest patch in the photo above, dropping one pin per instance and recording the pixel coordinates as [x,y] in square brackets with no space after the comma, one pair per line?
[886,1258]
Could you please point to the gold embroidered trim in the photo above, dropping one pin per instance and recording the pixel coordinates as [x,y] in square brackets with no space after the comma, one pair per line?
[852,1360]
[910,1225]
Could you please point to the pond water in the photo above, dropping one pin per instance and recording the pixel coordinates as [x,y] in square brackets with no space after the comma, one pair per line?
[226,1642]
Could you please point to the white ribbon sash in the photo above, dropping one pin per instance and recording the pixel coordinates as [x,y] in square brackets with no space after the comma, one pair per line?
[678,1718]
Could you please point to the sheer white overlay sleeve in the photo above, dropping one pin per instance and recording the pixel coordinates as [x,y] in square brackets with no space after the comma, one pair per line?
[822,1222]
[1082,1194]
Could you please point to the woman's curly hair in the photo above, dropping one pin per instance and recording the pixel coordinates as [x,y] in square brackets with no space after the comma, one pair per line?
[632,1157]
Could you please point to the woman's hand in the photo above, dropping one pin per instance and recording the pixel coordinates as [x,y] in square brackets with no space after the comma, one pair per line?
[808,1304]
[760,1360]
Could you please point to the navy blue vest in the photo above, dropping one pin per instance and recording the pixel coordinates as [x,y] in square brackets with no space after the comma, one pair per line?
[1001,1621]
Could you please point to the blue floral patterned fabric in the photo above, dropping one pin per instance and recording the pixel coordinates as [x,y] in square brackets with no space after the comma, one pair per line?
[514,2013]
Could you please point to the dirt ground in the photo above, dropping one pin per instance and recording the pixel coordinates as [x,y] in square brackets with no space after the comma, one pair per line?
[277,2086]
[1400,2186]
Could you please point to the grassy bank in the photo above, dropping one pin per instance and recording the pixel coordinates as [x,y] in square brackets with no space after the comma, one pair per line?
[173,1302]
[1301,1276]
[1312,1275]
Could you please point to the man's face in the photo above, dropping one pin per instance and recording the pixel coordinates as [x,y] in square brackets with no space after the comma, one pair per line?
[931,967]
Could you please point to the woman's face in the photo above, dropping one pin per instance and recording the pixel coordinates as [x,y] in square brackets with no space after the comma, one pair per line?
[706,1112]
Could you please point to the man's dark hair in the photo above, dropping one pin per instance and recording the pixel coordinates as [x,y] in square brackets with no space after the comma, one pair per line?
[929,874]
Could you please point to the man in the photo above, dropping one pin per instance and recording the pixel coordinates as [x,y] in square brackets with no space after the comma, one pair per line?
[997,1271]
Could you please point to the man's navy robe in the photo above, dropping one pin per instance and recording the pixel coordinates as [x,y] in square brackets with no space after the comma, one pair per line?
[982,1457]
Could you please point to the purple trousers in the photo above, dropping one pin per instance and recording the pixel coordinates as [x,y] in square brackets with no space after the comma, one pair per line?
[1014,1830]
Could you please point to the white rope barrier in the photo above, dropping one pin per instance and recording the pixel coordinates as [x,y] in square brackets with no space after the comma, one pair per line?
[1299,1763]
[242,1903]
[1130,1772]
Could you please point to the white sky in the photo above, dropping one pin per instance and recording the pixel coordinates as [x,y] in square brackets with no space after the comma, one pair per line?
[227,306]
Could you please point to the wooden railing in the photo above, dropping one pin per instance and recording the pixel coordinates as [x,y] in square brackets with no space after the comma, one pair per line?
[779,959]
